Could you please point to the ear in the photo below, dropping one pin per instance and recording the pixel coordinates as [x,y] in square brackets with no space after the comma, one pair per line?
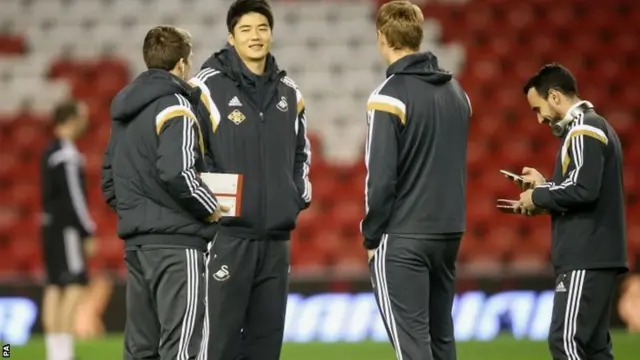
[231,39]
[552,96]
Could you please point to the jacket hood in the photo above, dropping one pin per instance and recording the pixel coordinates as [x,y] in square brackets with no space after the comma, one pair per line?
[145,89]
[229,63]
[421,65]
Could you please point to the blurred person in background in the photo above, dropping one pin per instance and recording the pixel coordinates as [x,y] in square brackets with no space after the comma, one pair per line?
[151,179]
[89,323]
[416,155]
[585,198]
[67,229]
[258,129]
[629,303]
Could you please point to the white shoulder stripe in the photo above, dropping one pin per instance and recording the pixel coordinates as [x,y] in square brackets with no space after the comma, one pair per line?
[469,103]
[289,82]
[199,81]
[582,128]
[178,109]
[206,73]
[388,100]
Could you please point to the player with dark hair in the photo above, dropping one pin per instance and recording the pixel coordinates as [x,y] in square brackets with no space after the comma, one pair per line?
[151,179]
[585,197]
[67,229]
[416,156]
[257,128]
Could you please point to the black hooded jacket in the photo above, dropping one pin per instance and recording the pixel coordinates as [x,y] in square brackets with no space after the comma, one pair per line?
[151,166]
[257,127]
[416,153]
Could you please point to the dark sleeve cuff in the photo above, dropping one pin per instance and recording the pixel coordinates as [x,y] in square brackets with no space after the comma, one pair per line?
[371,244]
[541,197]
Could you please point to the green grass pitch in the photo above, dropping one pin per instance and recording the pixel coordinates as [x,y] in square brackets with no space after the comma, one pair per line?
[626,347]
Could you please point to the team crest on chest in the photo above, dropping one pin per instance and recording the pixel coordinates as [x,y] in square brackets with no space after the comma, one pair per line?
[236,117]
[282,104]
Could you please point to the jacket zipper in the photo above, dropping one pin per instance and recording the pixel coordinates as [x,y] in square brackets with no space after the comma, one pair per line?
[263,189]
[263,107]
[262,224]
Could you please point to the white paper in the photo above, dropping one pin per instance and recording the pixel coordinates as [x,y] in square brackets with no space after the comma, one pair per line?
[223,184]
[229,201]
[226,188]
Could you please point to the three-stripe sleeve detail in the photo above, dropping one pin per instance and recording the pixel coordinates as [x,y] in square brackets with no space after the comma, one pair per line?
[188,161]
[306,165]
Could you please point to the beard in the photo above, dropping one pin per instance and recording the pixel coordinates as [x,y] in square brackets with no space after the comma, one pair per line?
[558,125]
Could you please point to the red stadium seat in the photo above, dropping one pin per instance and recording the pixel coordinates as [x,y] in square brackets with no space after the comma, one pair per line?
[12,45]
[504,42]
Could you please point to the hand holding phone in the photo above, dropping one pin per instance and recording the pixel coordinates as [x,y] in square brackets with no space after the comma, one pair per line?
[512,176]
[507,206]
[517,179]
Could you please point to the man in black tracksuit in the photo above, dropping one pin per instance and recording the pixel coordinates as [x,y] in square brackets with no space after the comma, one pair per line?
[415,190]
[67,228]
[585,198]
[257,127]
[150,178]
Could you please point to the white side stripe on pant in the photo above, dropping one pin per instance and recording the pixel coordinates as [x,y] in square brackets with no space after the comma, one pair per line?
[188,323]
[571,314]
[379,270]
[73,250]
[204,345]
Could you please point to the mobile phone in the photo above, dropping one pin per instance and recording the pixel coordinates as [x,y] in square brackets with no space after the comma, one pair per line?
[506,205]
[511,175]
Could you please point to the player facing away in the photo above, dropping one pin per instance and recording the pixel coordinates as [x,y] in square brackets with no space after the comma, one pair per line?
[151,179]
[67,229]
[585,197]
[258,128]
[416,155]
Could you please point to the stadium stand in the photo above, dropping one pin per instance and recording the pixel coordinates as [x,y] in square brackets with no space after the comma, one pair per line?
[53,49]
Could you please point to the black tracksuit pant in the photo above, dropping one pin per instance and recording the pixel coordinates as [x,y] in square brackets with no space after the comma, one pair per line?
[165,302]
[582,308]
[414,285]
[247,298]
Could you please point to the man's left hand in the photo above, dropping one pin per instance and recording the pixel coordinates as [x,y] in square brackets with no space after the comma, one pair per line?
[525,204]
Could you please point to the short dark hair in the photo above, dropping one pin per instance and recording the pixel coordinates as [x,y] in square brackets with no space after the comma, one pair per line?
[164,46]
[553,77]
[239,8]
[65,111]
[401,23]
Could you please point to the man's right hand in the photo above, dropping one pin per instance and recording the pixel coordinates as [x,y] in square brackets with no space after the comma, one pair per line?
[532,178]
[216,216]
